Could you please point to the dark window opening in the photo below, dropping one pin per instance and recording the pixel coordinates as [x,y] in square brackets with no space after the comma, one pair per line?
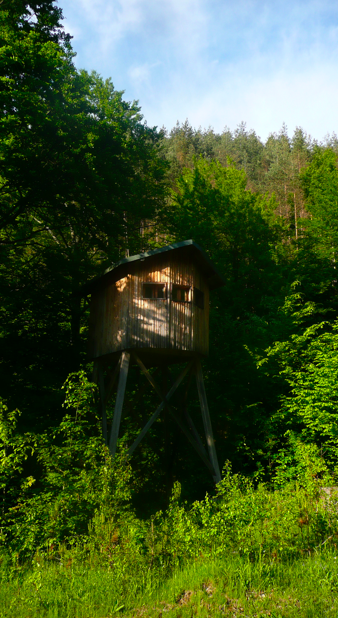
[181,293]
[154,290]
[198,298]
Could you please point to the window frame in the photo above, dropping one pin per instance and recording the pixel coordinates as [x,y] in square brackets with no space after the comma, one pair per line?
[161,284]
[182,287]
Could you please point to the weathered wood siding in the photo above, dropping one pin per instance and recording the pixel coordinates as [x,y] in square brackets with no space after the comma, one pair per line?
[122,319]
[201,316]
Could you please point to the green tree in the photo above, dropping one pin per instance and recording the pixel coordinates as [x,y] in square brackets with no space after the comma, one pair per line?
[74,476]
[212,205]
[183,143]
[79,172]
[320,184]
[283,160]
[305,371]
[246,150]
[36,60]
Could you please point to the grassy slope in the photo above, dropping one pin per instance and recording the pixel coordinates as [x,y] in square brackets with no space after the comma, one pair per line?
[238,587]
[227,586]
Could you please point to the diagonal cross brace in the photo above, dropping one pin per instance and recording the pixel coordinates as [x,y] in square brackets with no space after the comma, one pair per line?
[206,421]
[162,404]
[196,444]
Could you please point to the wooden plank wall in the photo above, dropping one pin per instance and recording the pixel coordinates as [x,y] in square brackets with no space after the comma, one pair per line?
[181,334]
[122,319]
[149,326]
[201,316]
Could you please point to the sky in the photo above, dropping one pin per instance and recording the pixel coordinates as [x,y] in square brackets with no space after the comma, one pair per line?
[216,63]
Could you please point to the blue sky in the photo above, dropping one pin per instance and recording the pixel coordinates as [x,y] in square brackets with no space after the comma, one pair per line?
[216,62]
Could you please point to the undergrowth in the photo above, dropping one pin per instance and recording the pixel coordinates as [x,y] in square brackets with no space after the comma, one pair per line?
[71,545]
[246,550]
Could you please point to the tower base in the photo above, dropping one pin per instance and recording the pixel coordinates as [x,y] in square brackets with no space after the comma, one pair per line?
[120,371]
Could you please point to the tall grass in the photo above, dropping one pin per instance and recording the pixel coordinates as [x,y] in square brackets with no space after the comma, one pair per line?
[226,585]
[247,551]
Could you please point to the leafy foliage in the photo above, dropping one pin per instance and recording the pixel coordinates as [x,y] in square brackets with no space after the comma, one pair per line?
[74,476]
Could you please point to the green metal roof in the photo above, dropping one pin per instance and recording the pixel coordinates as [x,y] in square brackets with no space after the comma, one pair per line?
[187,246]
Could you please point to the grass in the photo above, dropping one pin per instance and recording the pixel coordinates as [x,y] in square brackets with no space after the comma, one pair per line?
[238,587]
[226,586]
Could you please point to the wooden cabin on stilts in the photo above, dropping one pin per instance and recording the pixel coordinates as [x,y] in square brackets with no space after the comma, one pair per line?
[152,310]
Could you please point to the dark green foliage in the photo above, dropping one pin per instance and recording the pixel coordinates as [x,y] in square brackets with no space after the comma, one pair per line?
[320,183]
[73,476]
[79,171]
[183,143]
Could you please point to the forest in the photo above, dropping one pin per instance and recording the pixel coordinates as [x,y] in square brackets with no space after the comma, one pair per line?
[84,182]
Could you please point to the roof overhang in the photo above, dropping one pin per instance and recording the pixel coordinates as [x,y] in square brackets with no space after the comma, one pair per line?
[188,248]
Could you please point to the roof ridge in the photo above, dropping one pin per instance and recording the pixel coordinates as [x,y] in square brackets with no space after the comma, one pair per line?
[214,278]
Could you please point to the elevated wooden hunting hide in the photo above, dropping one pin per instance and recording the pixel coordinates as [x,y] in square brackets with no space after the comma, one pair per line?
[156,303]
[153,309]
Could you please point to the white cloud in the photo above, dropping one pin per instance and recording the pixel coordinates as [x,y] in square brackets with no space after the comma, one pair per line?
[215,61]
[111,21]
[141,75]
[98,26]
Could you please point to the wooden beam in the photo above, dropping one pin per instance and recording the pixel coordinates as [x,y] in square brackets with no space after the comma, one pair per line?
[165,403]
[191,424]
[130,405]
[121,389]
[194,431]
[162,404]
[207,422]
[192,440]
[148,375]
[169,454]
[187,416]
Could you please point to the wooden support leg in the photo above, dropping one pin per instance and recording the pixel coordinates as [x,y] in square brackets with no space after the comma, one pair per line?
[168,453]
[121,389]
[188,418]
[194,432]
[207,422]
[192,441]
